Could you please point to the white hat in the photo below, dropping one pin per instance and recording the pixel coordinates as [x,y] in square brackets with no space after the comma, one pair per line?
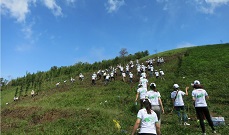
[176,86]
[153,84]
[196,82]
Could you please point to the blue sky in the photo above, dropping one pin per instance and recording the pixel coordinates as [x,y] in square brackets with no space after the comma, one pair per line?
[39,34]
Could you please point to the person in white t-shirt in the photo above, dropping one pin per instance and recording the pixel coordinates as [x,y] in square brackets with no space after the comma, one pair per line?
[151,70]
[143,74]
[162,74]
[107,79]
[138,70]
[104,75]
[154,97]
[156,73]
[141,94]
[131,77]
[199,96]
[81,77]
[32,93]
[93,78]
[94,74]
[144,82]
[148,121]
[178,103]
[123,76]
[112,76]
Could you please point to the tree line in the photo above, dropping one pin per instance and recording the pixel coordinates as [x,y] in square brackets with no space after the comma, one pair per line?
[35,80]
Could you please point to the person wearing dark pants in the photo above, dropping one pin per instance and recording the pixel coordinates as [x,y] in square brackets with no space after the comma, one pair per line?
[199,95]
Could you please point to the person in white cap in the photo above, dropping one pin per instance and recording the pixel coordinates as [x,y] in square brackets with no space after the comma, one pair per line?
[154,97]
[199,96]
[178,103]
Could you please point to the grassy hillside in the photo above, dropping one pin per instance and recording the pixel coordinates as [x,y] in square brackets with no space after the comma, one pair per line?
[80,108]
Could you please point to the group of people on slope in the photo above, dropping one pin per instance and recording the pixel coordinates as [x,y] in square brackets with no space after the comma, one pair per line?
[151,107]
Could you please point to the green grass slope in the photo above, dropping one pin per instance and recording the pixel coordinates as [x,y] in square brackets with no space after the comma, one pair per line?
[83,109]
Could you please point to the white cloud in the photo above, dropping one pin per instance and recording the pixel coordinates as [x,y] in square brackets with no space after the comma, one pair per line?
[69,2]
[27,30]
[17,8]
[23,48]
[114,5]
[209,6]
[185,44]
[165,7]
[204,6]
[217,1]
[51,4]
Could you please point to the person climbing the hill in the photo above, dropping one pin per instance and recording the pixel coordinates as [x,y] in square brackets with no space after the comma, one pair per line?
[151,70]
[93,78]
[148,120]
[32,93]
[123,76]
[138,70]
[178,103]
[162,74]
[81,77]
[104,75]
[107,79]
[198,120]
[143,74]
[156,74]
[155,99]
[144,82]
[112,76]
[199,95]
[131,77]
[141,93]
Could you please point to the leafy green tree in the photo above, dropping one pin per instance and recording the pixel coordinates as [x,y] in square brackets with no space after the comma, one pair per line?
[146,53]
[3,82]
[27,88]
[16,92]
[20,92]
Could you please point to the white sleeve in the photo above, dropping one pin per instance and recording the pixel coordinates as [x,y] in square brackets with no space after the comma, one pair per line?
[206,94]
[172,95]
[182,93]
[139,115]
[193,93]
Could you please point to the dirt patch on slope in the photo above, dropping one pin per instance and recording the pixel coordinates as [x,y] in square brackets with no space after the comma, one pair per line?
[30,116]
